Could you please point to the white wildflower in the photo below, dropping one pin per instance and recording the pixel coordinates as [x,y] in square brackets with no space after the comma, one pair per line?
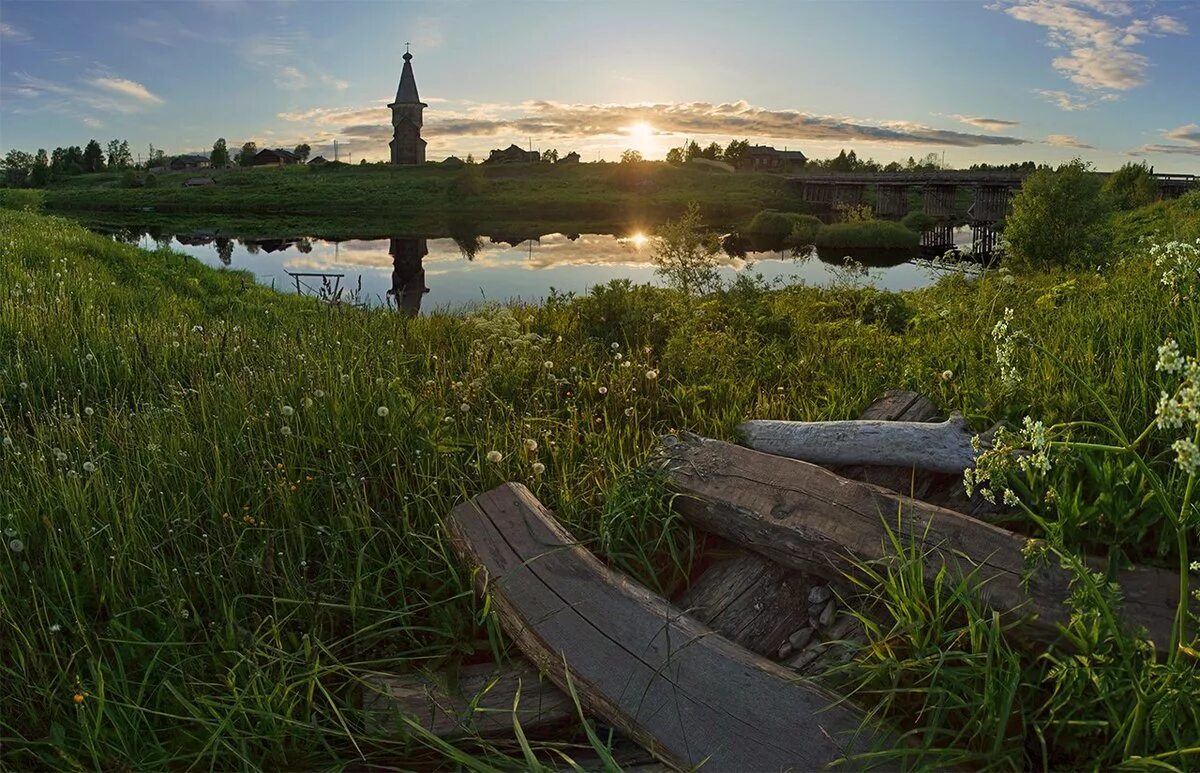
[1170,358]
[538,468]
[652,374]
[381,411]
[1187,456]
[494,457]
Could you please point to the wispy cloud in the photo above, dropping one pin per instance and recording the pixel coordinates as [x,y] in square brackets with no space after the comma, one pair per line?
[1097,38]
[127,88]
[12,34]
[990,124]
[291,78]
[336,83]
[1073,102]
[1185,142]
[1067,141]
[93,123]
[107,93]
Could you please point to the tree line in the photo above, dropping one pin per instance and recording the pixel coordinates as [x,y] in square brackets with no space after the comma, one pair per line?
[36,170]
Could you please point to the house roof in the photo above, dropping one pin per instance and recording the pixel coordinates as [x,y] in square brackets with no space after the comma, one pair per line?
[407,92]
[277,152]
[190,158]
[767,150]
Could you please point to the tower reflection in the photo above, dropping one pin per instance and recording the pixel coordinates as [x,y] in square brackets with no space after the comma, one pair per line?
[408,275]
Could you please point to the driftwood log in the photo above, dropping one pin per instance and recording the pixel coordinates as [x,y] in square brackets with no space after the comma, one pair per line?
[936,446]
[809,518]
[683,692]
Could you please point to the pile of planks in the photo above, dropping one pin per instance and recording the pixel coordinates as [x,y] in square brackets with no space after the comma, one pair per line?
[714,677]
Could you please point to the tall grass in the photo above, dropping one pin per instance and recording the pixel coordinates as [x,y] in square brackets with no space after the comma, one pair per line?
[213,530]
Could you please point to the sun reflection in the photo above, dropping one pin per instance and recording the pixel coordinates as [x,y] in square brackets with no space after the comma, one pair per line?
[637,240]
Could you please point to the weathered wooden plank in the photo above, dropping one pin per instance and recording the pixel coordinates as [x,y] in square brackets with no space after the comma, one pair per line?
[479,703]
[682,691]
[806,517]
[758,603]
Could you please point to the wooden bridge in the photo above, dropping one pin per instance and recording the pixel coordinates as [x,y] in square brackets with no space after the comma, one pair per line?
[991,195]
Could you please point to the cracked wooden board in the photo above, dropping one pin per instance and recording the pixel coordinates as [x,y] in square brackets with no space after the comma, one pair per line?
[809,518]
[685,693]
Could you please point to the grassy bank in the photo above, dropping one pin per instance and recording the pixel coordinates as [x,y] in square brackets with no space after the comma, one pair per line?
[222,506]
[388,198]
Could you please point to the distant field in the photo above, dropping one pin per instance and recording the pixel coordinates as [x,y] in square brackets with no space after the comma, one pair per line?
[431,195]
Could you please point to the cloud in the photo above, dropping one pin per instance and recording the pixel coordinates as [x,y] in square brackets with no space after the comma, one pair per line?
[106,93]
[1189,133]
[93,123]
[337,83]
[290,78]
[1067,141]
[127,88]
[991,124]
[556,120]
[12,34]
[1072,102]
[1097,38]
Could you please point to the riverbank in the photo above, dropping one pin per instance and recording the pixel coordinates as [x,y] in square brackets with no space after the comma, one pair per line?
[223,506]
[387,198]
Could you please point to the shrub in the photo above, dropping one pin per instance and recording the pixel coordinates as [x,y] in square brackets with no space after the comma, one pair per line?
[918,222]
[804,230]
[768,222]
[468,182]
[872,233]
[1130,187]
[1059,218]
[686,253]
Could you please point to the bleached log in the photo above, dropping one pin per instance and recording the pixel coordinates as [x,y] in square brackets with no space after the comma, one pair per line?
[937,446]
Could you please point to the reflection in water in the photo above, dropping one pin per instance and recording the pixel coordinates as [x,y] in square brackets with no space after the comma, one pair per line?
[464,267]
[408,275]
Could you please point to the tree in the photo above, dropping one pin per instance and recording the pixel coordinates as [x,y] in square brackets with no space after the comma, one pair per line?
[691,151]
[40,174]
[1059,217]
[550,156]
[119,156]
[17,167]
[734,151]
[712,152]
[631,157]
[302,150]
[246,155]
[93,157]
[1130,187]
[156,158]
[686,253]
[219,157]
[675,156]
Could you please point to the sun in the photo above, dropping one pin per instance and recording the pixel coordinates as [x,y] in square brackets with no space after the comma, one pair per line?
[637,240]
[641,137]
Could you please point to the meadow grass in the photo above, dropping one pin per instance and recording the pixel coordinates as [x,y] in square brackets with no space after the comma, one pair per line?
[222,507]
[381,196]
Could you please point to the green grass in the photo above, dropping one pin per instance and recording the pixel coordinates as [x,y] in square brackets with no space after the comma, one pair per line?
[382,197]
[216,587]
[867,234]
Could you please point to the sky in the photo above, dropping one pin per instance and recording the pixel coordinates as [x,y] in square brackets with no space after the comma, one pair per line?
[1108,81]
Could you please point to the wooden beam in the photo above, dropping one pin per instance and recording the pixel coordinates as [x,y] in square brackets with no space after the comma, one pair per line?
[480,702]
[685,693]
[757,603]
[806,517]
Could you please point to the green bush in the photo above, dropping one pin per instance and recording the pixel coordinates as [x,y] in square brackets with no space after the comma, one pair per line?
[1130,187]
[1059,219]
[918,222]
[804,230]
[871,233]
[768,222]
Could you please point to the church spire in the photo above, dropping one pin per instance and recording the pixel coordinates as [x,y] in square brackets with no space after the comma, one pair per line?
[407,92]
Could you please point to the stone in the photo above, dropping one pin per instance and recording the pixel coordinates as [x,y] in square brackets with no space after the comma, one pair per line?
[785,649]
[826,616]
[800,639]
[819,595]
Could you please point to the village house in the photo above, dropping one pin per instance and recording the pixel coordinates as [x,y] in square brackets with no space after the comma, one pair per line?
[180,163]
[275,157]
[318,161]
[513,155]
[764,158]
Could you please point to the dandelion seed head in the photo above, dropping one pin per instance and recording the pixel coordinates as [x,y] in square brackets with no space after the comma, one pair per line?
[381,411]
[494,457]
[538,468]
